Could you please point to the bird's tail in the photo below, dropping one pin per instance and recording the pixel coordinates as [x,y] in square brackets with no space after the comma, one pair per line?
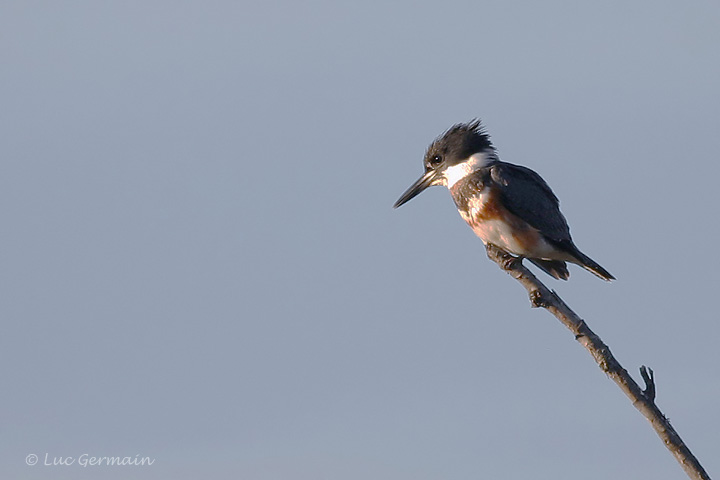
[591,265]
[554,268]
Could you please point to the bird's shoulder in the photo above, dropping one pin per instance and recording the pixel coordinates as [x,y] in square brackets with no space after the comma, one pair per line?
[516,178]
[525,194]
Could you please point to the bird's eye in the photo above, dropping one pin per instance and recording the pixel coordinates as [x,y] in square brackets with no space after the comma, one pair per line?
[435,160]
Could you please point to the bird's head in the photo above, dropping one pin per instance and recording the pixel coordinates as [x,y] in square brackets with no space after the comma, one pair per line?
[462,149]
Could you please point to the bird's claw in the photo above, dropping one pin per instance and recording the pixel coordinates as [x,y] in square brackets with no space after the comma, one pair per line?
[510,262]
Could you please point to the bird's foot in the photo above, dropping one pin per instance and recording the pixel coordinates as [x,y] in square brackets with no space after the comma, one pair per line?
[510,262]
[504,259]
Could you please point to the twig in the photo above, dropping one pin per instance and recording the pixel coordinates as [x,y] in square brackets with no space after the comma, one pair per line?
[649,379]
[643,400]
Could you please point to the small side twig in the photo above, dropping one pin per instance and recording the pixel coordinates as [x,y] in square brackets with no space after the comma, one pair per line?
[649,379]
[643,400]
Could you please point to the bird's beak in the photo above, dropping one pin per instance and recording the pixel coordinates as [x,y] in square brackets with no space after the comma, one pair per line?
[416,188]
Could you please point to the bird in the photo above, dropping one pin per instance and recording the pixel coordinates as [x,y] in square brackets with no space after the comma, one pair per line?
[506,205]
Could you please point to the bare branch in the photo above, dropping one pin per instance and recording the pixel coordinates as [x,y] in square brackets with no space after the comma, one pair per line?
[643,400]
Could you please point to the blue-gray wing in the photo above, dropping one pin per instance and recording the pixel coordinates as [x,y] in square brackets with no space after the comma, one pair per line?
[525,194]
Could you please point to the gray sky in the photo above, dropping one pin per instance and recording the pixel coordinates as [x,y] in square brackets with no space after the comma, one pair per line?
[200,262]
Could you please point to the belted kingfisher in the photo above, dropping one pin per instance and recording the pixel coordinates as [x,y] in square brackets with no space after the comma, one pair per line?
[506,205]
